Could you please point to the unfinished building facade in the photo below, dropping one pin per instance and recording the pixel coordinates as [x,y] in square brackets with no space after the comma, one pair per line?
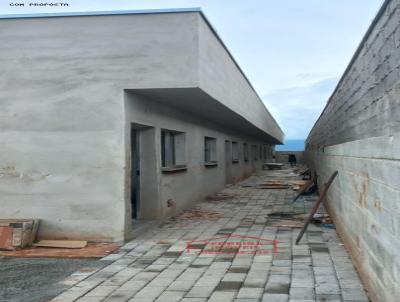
[112,116]
[358,134]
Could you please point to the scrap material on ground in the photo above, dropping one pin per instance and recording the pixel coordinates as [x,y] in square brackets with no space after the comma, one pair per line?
[245,253]
[17,233]
[91,250]
[316,205]
[273,166]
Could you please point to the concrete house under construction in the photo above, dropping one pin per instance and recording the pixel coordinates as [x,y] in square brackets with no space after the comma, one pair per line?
[111,116]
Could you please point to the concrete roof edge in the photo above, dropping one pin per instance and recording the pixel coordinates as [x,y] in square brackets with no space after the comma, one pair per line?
[103,13]
[354,57]
[149,11]
[238,66]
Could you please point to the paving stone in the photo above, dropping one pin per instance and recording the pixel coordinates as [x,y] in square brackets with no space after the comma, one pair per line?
[327,289]
[200,292]
[150,292]
[156,266]
[135,299]
[301,293]
[352,294]
[255,282]
[250,293]
[282,270]
[328,298]
[220,296]
[181,285]
[170,296]
[275,298]
[302,282]
[120,295]
[101,291]
[277,288]
[229,286]
[90,299]
[234,277]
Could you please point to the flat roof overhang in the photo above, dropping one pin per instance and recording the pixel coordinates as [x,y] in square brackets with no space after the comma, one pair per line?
[197,102]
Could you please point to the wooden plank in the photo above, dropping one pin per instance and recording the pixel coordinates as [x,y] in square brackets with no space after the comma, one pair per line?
[298,182]
[68,244]
[316,205]
[273,187]
[304,188]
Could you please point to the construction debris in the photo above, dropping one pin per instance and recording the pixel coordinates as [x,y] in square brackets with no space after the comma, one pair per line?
[17,233]
[322,219]
[288,223]
[277,186]
[304,188]
[297,184]
[316,205]
[273,166]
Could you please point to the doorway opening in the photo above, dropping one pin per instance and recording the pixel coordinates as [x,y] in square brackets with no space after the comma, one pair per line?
[143,199]
[135,173]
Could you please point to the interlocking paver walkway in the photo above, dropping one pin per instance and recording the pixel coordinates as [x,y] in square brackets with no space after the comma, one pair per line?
[227,249]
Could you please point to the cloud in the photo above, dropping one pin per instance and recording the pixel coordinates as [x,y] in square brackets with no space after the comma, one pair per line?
[297,108]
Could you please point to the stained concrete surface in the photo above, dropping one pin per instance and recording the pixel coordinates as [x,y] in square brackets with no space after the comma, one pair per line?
[38,279]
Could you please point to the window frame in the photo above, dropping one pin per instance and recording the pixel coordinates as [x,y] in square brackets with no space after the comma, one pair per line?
[210,151]
[235,152]
[173,150]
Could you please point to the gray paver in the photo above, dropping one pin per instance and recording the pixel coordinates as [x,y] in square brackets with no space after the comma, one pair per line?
[157,266]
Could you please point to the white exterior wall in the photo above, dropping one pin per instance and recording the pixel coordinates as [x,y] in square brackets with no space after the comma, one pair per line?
[233,90]
[62,84]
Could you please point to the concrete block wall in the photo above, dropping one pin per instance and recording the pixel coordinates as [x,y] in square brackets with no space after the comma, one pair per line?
[358,134]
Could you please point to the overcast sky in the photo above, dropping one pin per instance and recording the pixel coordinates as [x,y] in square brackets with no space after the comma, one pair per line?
[293,51]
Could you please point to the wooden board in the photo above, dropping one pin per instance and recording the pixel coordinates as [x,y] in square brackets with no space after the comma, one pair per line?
[92,250]
[273,187]
[285,223]
[298,182]
[67,244]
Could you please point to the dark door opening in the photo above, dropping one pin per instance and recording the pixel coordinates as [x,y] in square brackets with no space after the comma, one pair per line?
[228,162]
[135,173]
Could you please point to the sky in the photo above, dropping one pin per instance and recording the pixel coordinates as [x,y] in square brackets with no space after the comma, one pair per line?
[292,51]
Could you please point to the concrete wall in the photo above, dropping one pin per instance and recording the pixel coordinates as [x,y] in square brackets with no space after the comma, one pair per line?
[233,89]
[358,134]
[62,135]
[62,120]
